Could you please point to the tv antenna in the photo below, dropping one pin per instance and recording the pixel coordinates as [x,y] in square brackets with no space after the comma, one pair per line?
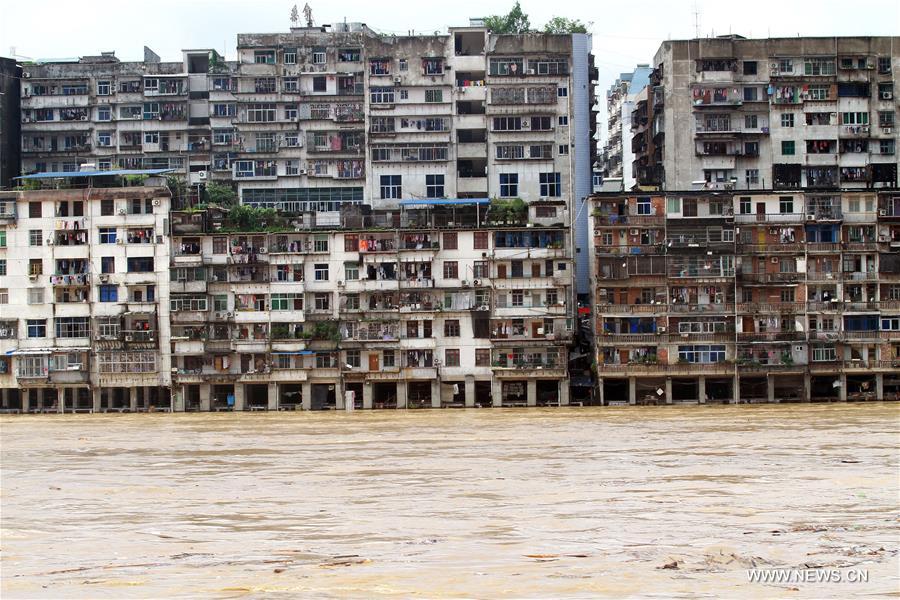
[295,16]
[307,14]
[696,20]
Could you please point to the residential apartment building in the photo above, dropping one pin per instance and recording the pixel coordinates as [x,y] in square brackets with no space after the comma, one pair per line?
[84,323]
[620,99]
[780,113]
[10,140]
[750,296]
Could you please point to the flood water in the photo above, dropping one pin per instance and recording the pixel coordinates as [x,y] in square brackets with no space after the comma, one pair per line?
[473,503]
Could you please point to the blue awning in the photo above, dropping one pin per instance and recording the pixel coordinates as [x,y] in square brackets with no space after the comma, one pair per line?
[445,202]
[298,353]
[77,174]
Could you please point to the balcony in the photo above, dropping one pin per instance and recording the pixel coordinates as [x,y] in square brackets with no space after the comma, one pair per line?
[770,218]
[70,280]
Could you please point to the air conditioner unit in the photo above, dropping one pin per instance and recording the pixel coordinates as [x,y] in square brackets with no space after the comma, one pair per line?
[33,277]
[49,241]
[120,241]
[229,315]
[635,232]
[476,282]
[810,217]
[201,174]
[465,283]
[882,212]
[883,238]
[461,90]
[887,95]
[122,211]
[340,284]
[104,278]
[660,330]
[887,130]
[398,79]
[302,172]
[774,260]
[219,315]
[129,338]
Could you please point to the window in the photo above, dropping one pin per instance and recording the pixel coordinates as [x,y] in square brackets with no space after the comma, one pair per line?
[321,271]
[751,94]
[264,57]
[4,296]
[104,113]
[104,138]
[2,238]
[264,85]
[225,110]
[563,149]
[563,121]
[787,119]
[509,185]
[541,123]
[749,67]
[319,56]
[35,237]
[2,266]
[786,205]
[506,66]
[690,207]
[434,95]
[643,206]
[451,328]
[140,264]
[322,302]
[480,240]
[34,210]
[260,113]
[320,83]
[854,118]
[434,186]
[35,295]
[107,264]
[351,271]
[787,147]
[818,92]
[562,92]
[550,184]
[451,269]
[381,95]
[507,123]
[482,357]
[36,328]
[701,354]
[451,357]
[380,66]
[107,235]
[824,354]
[290,57]
[673,205]
[390,186]
[885,118]
[450,240]
[151,137]
[35,266]
[886,146]
[751,176]
[109,293]
[320,244]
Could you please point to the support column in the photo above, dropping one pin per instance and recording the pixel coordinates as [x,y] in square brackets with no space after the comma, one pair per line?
[435,393]
[563,392]
[4,398]
[496,392]
[339,402]
[807,387]
[669,398]
[61,400]
[770,388]
[205,402]
[367,396]
[272,396]
[25,396]
[879,386]
[842,392]
[239,397]
[97,399]
[632,391]
[306,395]
[531,392]
[470,392]
[401,394]
[132,399]
[736,390]
[701,389]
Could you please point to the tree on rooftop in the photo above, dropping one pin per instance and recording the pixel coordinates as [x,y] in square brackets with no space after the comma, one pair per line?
[515,21]
[222,195]
[564,25]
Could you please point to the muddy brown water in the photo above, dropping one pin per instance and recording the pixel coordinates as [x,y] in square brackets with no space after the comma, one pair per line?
[450,503]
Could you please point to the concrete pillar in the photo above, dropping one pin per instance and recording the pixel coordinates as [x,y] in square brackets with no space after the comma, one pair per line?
[205,401]
[26,400]
[436,393]
[632,391]
[306,395]
[97,399]
[401,394]
[807,387]
[367,396]
[4,398]
[879,386]
[602,397]
[339,403]
[770,388]
[40,398]
[239,401]
[842,392]
[563,392]
[669,398]
[470,391]
[179,395]
[496,392]
[531,392]
[701,389]
[61,400]
[736,389]
[272,396]
[132,399]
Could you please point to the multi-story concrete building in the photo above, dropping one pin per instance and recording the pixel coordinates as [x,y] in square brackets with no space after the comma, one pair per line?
[782,113]
[747,296]
[10,138]
[620,98]
[322,116]
[84,282]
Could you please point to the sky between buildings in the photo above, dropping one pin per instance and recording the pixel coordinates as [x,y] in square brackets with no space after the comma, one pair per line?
[625,32]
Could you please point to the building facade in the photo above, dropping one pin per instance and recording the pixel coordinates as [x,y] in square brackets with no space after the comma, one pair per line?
[781,113]
[10,137]
[84,283]
[620,98]
[747,296]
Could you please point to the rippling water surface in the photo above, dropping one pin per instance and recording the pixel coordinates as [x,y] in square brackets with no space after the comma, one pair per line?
[474,503]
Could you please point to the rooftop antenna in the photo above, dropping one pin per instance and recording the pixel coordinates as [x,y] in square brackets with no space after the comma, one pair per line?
[696,20]
[307,14]
[295,16]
